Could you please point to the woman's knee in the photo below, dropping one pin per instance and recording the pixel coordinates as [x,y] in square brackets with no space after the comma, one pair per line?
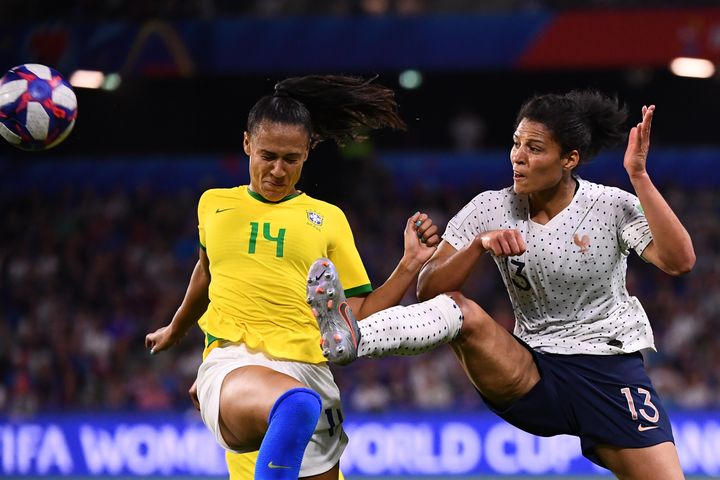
[475,319]
[247,398]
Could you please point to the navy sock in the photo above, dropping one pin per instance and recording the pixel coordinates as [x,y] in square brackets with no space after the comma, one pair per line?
[291,424]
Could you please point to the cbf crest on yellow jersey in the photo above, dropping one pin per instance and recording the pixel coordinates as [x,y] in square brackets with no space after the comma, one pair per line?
[260,253]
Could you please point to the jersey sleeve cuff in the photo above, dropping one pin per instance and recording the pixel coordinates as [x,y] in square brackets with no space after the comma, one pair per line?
[357,291]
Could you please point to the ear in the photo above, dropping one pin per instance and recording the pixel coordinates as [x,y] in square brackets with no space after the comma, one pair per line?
[246,143]
[571,160]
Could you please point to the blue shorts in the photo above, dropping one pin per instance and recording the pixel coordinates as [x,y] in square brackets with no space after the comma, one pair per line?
[603,399]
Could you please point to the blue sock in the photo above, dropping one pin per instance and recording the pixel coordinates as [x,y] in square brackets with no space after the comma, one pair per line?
[291,424]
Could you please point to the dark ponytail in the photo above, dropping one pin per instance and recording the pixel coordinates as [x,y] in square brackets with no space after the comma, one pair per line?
[584,120]
[330,107]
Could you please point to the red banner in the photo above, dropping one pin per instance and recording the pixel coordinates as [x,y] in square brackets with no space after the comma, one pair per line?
[606,39]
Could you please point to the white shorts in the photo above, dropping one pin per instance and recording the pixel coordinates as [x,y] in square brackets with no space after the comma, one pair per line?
[329,439]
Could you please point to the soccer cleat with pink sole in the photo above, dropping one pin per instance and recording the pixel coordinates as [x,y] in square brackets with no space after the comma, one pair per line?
[339,332]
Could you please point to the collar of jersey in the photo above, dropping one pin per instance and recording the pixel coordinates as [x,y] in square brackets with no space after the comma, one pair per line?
[259,197]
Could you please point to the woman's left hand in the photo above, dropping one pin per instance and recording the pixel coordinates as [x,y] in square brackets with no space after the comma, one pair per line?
[639,144]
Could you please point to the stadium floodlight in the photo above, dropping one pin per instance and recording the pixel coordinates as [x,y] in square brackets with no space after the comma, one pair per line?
[87,79]
[692,67]
[112,81]
[410,79]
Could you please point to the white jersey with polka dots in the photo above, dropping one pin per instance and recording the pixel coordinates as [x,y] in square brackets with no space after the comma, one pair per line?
[568,289]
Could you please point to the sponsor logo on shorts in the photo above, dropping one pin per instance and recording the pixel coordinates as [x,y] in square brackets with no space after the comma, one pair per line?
[643,428]
[272,465]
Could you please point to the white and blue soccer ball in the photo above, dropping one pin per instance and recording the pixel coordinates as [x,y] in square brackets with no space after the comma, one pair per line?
[38,107]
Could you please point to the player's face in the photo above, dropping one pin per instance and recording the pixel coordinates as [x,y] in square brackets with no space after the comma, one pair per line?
[537,160]
[277,154]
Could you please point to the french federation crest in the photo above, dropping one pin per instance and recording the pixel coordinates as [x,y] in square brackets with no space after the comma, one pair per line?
[314,217]
[582,242]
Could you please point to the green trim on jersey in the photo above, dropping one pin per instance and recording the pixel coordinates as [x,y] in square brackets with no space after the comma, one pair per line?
[259,197]
[210,339]
[203,247]
[356,291]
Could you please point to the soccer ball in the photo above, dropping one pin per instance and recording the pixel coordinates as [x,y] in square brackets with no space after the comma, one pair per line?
[37,107]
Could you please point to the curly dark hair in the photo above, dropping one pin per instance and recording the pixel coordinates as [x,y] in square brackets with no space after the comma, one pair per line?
[584,120]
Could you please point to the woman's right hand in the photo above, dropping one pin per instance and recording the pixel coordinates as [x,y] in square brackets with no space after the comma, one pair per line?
[503,243]
[161,339]
[194,395]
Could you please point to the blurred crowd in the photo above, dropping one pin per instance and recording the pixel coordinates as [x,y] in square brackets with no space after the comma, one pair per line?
[208,9]
[86,272]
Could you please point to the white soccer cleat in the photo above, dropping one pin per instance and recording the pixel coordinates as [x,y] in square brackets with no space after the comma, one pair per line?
[339,332]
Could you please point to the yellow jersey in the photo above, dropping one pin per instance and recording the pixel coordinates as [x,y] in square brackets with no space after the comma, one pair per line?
[260,253]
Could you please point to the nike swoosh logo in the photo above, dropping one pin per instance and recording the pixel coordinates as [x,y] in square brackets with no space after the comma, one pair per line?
[320,276]
[642,428]
[272,465]
[224,209]
[343,313]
